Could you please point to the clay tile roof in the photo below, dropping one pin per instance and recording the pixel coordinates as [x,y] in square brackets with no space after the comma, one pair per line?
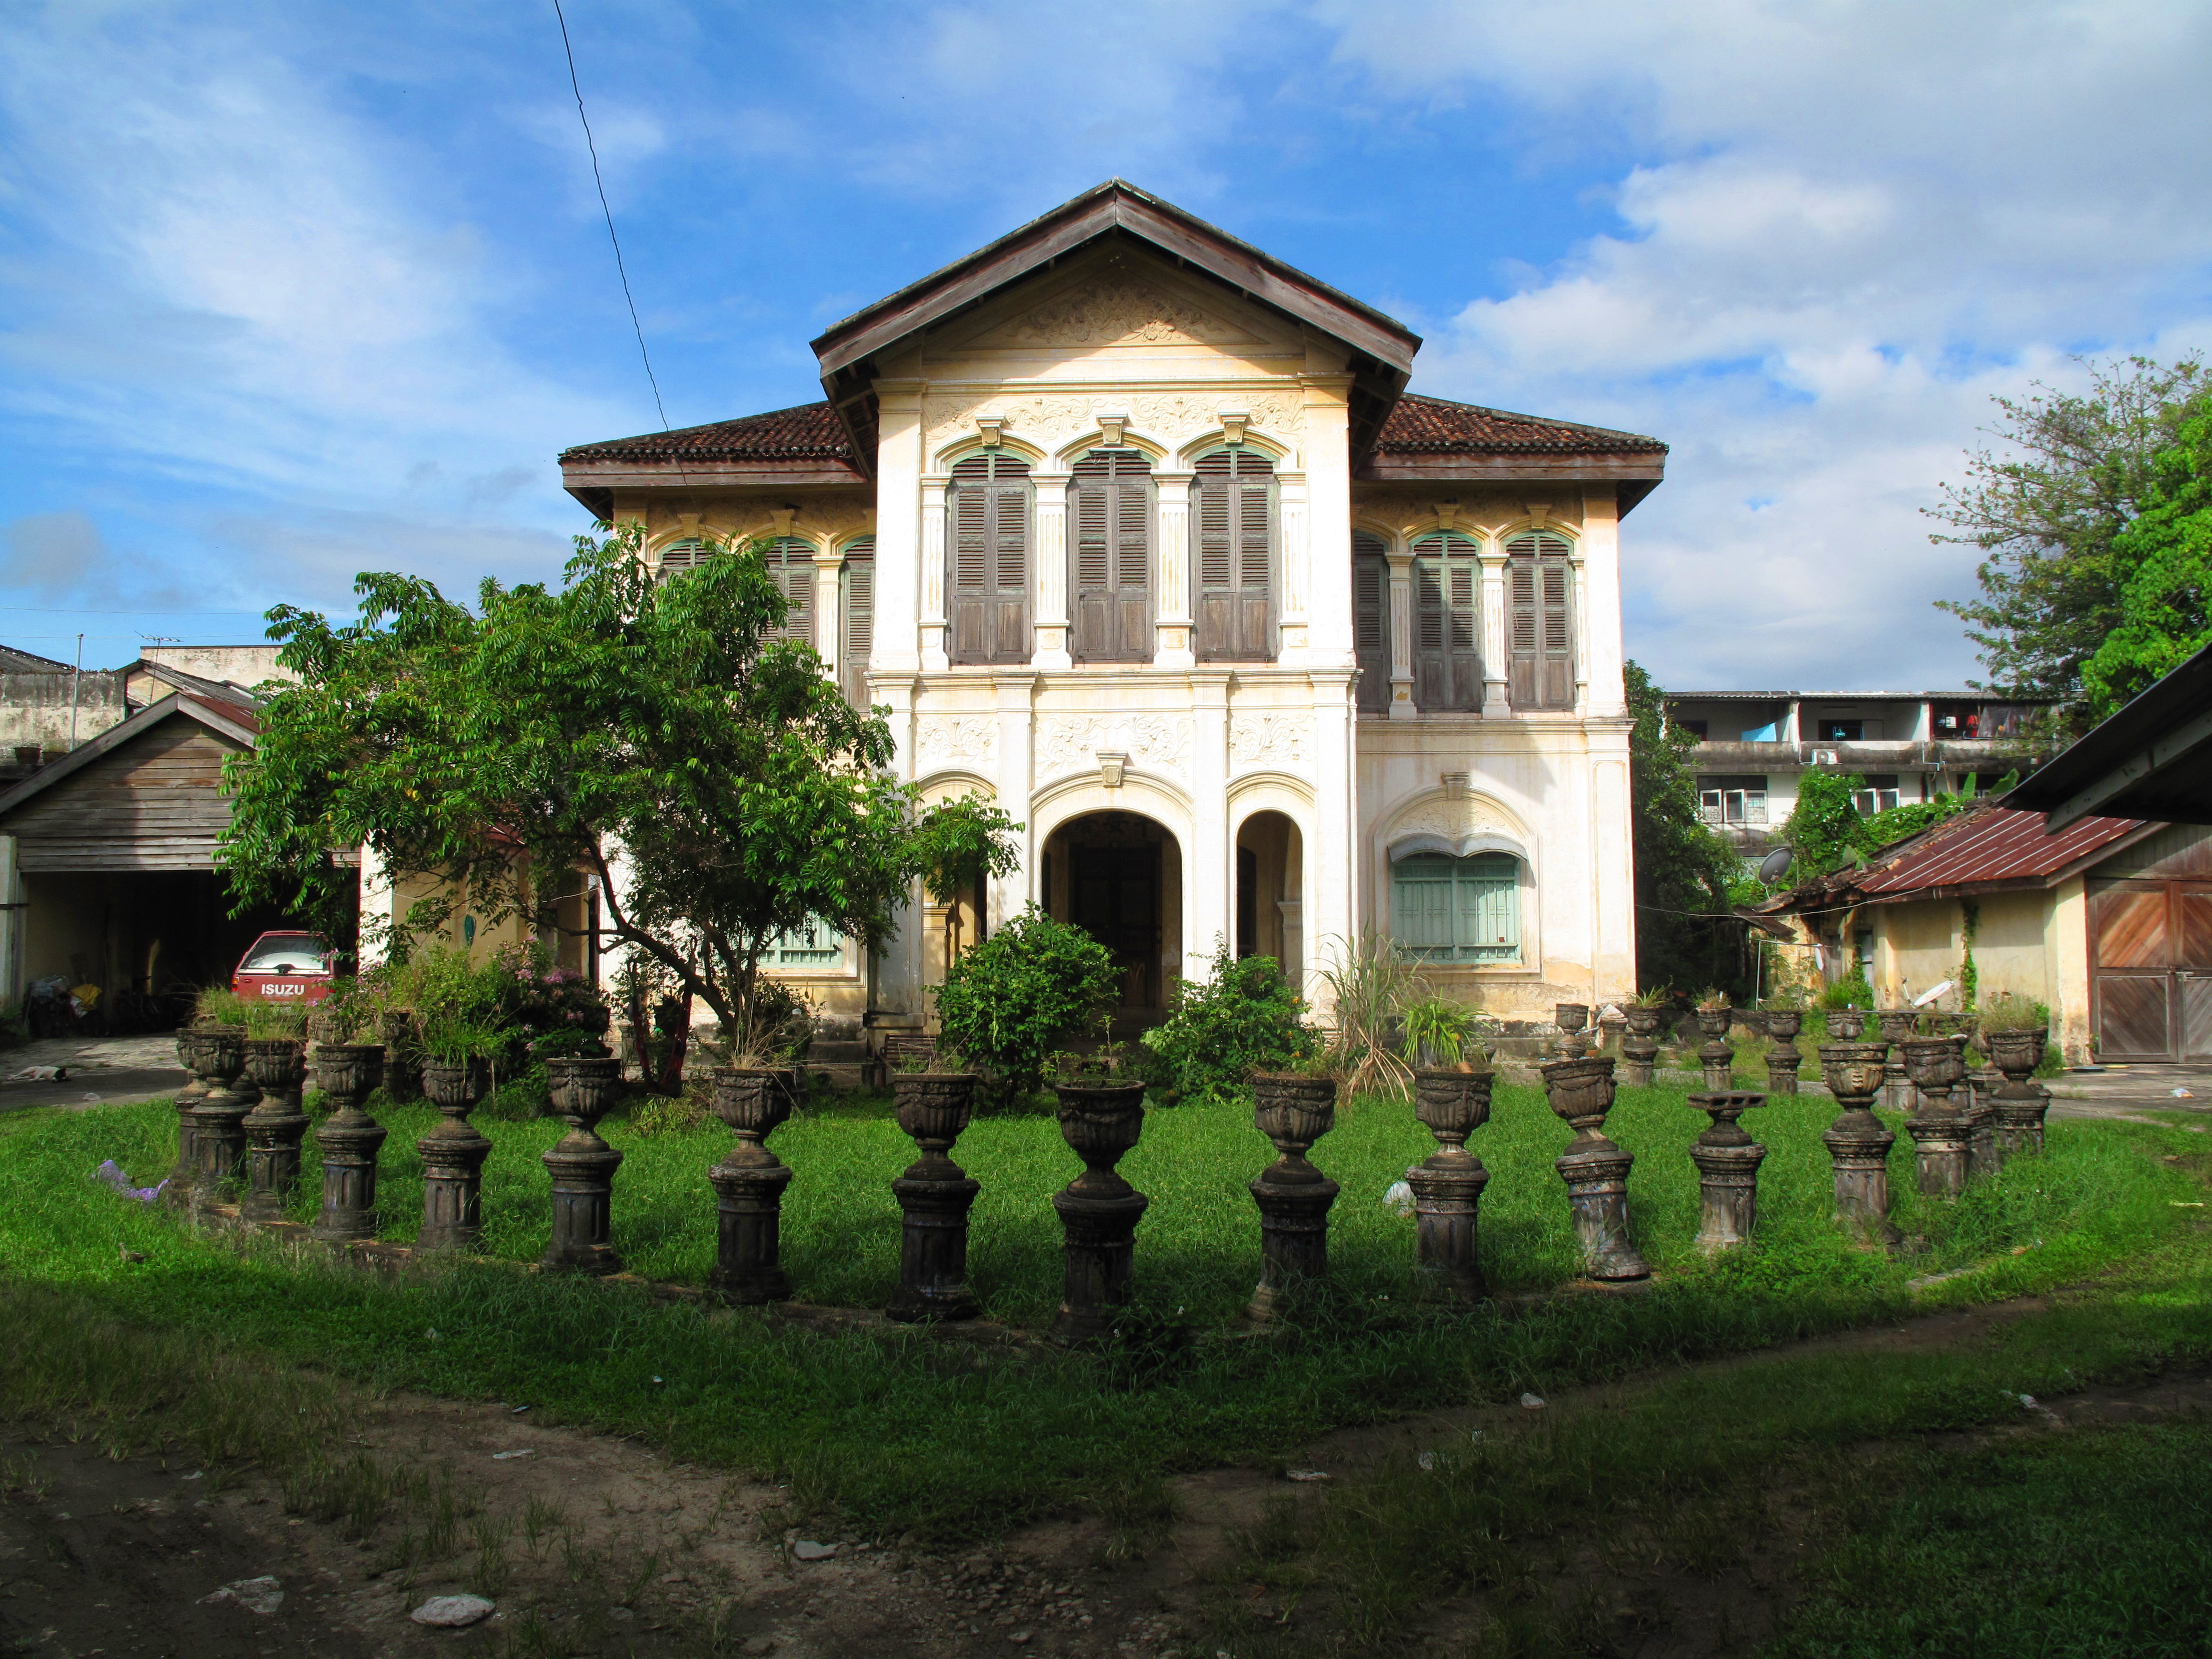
[805,432]
[1430,426]
[1985,846]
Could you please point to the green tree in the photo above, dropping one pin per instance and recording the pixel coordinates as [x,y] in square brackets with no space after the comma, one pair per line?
[655,737]
[2165,606]
[1024,994]
[1826,830]
[1241,1017]
[959,845]
[1684,933]
[2048,510]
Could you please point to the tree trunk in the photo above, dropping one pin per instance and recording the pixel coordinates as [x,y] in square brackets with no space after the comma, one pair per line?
[679,1042]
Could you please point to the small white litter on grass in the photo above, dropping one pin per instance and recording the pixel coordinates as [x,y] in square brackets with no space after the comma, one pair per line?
[453,1612]
[1534,1402]
[261,1596]
[807,1550]
[1306,1474]
[524,1451]
[1399,1197]
[1428,1462]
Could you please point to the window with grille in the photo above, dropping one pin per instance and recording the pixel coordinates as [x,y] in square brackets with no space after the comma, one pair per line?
[856,623]
[1879,794]
[1110,557]
[1233,524]
[1540,669]
[686,555]
[1448,909]
[816,945]
[1733,799]
[1371,619]
[987,503]
[1447,622]
[791,566]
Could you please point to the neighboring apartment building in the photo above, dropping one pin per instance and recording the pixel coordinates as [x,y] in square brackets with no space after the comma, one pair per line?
[1136,530]
[1752,747]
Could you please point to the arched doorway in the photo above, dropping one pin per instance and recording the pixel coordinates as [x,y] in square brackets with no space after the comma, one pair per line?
[1270,891]
[1118,876]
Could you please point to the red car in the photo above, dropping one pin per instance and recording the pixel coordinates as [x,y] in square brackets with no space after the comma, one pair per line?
[285,968]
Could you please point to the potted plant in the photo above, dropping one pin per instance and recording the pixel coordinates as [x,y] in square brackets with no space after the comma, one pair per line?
[1713,1013]
[1437,1033]
[1102,1108]
[458,1053]
[2014,1033]
[1785,1014]
[933,1098]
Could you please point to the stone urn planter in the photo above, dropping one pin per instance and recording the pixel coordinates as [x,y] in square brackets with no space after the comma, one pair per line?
[934,1196]
[1783,1059]
[1639,1049]
[749,1185]
[1935,1067]
[1573,1021]
[1595,1168]
[1728,1161]
[1447,1184]
[275,1127]
[1714,1056]
[583,1167]
[219,1118]
[1858,1142]
[1293,1111]
[193,1053]
[453,1155]
[1896,1024]
[2019,1104]
[347,1073]
[1846,1024]
[1098,1210]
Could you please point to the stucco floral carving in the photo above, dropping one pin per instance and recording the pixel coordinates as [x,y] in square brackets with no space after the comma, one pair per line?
[1456,820]
[1120,311]
[1070,743]
[1172,418]
[943,739]
[1270,740]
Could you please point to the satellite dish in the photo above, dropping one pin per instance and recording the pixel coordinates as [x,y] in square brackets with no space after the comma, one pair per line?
[1775,866]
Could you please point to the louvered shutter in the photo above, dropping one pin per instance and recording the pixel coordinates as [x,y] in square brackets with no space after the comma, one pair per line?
[1235,523]
[988,594]
[678,556]
[1371,619]
[1447,622]
[1111,502]
[1540,599]
[791,565]
[857,591]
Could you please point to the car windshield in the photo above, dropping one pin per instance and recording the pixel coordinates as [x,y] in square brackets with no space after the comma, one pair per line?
[294,953]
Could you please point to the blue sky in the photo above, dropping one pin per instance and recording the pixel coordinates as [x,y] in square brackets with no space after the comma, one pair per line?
[292,291]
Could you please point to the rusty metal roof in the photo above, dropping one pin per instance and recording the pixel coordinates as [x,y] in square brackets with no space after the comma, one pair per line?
[1983,848]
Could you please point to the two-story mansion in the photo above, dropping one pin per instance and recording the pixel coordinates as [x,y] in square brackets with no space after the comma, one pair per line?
[1136,530]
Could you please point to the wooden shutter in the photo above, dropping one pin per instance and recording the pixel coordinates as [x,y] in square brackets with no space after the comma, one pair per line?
[1447,622]
[1371,619]
[988,589]
[1234,529]
[1111,580]
[857,629]
[682,555]
[1539,626]
[791,564]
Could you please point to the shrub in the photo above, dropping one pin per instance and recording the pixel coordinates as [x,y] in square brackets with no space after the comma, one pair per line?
[1022,995]
[1240,1019]
[1852,992]
[1370,984]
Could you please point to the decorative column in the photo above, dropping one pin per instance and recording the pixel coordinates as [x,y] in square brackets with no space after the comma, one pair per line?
[274,1129]
[1939,1134]
[1858,1144]
[1728,1163]
[1573,1020]
[829,625]
[1977,1113]
[1172,625]
[1896,1024]
[2019,1104]
[1049,651]
[1782,1059]
[1448,1185]
[1293,1111]
[934,658]
[934,1196]
[347,1073]
[193,1053]
[1595,1168]
[1209,889]
[1099,1211]
[1402,636]
[1717,1058]
[453,1155]
[219,1120]
[749,1185]
[1494,704]
[1639,1049]
[583,1167]
[1332,902]
[1293,622]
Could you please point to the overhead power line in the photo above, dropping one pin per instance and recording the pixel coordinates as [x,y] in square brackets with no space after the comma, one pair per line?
[621,271]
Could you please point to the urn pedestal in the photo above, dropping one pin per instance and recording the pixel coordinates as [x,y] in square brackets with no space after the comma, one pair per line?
[1728,1161]
[1896,1024]
[349,1139]
[1294,1197]
[1783,1059]
[219,1119]
[583,1168]
[1447,1184]
[1934,1068]
[1098,1210]
[934,1196]
[453,1155]
[1858,1143]
[193,1053]
[2019,1104]
[1595,1168]
[1639,1048]
[275,1127]
[1573,1020]
[749,1185]
[1714,1056]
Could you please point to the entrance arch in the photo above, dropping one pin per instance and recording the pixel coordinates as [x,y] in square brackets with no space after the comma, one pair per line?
[1118,876]
[1271,892]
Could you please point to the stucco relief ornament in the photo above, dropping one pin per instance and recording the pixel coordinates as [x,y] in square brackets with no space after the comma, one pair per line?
[1456,821]
[1122,312]
[1160,743]
[1279,739]
[943,739]
[1169,418]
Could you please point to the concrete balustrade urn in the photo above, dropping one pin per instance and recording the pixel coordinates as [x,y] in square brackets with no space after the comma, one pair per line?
[1938,1131]
[1783,1059]
[1293,1112]
[1639,1049]
[1978,1116]
[1896,1024]
[2019,1104]
[453,1155]
[749,1185]
[275,1127]
[1846,1024]
[219,1118]
[1595,1168]
[193,1055]
[1573,1021]
[347,1073]
[934,1196]
[1098,1210]
[1728,1161]
[1448,1185]
[583,1167]
[1714,1056]
[1858,1142]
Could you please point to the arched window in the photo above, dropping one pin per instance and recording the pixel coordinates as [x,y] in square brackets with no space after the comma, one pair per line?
[1110,579]
[1447,622]
[791,565]
[1234,529]
[988,585]
[856,625]
[686,555]
[1540,669]
[1448,909]
[1371,619]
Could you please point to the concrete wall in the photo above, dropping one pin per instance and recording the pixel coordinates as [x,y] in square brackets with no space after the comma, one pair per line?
[2032,943]
[35,708]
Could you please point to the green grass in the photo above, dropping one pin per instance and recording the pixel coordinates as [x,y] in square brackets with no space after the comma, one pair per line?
[958,1438]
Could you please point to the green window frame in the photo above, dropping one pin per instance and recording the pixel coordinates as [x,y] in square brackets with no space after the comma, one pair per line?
[1453,909]
[816,945]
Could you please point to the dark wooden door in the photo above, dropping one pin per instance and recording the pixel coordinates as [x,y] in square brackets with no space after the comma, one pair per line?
[2142,938]
[1114,892]
[2193,971]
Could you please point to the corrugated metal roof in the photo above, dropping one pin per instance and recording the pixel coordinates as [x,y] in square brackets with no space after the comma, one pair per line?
[1985,846]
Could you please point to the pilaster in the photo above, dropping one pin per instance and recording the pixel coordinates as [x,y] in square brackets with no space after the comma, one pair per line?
[1331,900]
[897,969]
[1171,646]
[828,642]
[1602,692]
[1402,637]
[1494,705]
[895,646]
[934,660]
[1209,889]
[1293,622]
[1326,552]
[1016,697]
[1049,651]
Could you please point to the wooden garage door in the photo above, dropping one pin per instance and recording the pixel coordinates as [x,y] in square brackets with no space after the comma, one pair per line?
[2151,961]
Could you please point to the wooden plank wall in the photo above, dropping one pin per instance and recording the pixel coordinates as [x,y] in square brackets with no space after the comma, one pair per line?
[154,804]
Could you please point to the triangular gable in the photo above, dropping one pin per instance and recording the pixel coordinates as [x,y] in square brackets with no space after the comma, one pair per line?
[227,718]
